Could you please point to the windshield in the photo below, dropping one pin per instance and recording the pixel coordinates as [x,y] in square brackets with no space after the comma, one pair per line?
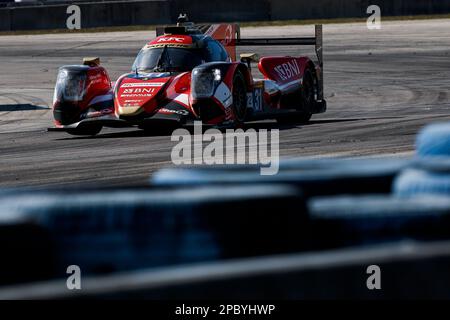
[167,59]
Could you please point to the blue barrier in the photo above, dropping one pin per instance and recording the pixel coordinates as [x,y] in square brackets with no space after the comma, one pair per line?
[115,230]
[369,219]
[314,177]
[430,169]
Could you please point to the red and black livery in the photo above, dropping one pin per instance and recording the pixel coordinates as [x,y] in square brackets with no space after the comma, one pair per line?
[190,73]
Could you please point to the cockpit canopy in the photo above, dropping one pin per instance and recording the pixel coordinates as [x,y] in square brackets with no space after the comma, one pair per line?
[171,53]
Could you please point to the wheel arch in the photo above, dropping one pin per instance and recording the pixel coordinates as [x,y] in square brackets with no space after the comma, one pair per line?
[243,69]
[309,65]
[247,75]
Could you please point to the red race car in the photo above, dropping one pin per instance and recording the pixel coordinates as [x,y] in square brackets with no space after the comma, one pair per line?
[190,73]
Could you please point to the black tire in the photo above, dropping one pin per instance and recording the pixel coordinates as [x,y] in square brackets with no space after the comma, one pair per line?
[415,182]
[376,219]
[232,230]
[239,97]
[85,131]
[308,93]
[307,101]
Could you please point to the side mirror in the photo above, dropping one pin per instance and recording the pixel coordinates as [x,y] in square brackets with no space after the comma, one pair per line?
[249,58]
[91,61]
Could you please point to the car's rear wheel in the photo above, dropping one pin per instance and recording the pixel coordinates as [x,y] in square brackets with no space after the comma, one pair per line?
[239,97]
[307,93]
[85,131]
[307,102]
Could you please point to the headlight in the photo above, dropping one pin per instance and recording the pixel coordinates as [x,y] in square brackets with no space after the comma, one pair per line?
[70,86]
[204,82]
[217,74]
[60,80]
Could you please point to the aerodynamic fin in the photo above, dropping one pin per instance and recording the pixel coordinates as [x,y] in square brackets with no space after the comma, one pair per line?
[225,33]
[316,41]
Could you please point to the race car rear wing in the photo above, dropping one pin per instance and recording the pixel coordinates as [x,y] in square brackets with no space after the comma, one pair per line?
[316,41]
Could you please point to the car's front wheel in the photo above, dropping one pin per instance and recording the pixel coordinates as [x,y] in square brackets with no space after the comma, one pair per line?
[307,101]
[239,98]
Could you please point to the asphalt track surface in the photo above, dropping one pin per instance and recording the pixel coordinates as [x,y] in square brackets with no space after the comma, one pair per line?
[381,86]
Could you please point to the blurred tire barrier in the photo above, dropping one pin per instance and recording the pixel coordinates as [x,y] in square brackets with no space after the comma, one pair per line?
[353,220]
[117,230]
[434,141]
[415,182]
[409,270]
[430,169]
[23,245]
[314,176]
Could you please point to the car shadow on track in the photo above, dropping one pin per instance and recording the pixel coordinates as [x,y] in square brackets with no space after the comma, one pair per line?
[133,133]
[275,125]
[168,132]
[21,107]
[164,133]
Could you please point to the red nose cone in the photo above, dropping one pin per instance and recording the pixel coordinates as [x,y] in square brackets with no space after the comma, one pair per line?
[139,95]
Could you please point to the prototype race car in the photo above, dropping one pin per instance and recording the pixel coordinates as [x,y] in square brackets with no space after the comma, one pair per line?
[190,73]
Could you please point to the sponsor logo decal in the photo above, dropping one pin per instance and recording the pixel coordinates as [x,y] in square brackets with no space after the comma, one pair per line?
[138,92]
[144,84]
[254,99]
[94,113]
[288,70]
[228,35]
[171,39]
[170,111]
[173,45]
[132,103]
[140,89]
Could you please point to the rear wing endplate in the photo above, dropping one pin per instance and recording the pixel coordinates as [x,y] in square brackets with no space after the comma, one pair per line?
[316,41]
